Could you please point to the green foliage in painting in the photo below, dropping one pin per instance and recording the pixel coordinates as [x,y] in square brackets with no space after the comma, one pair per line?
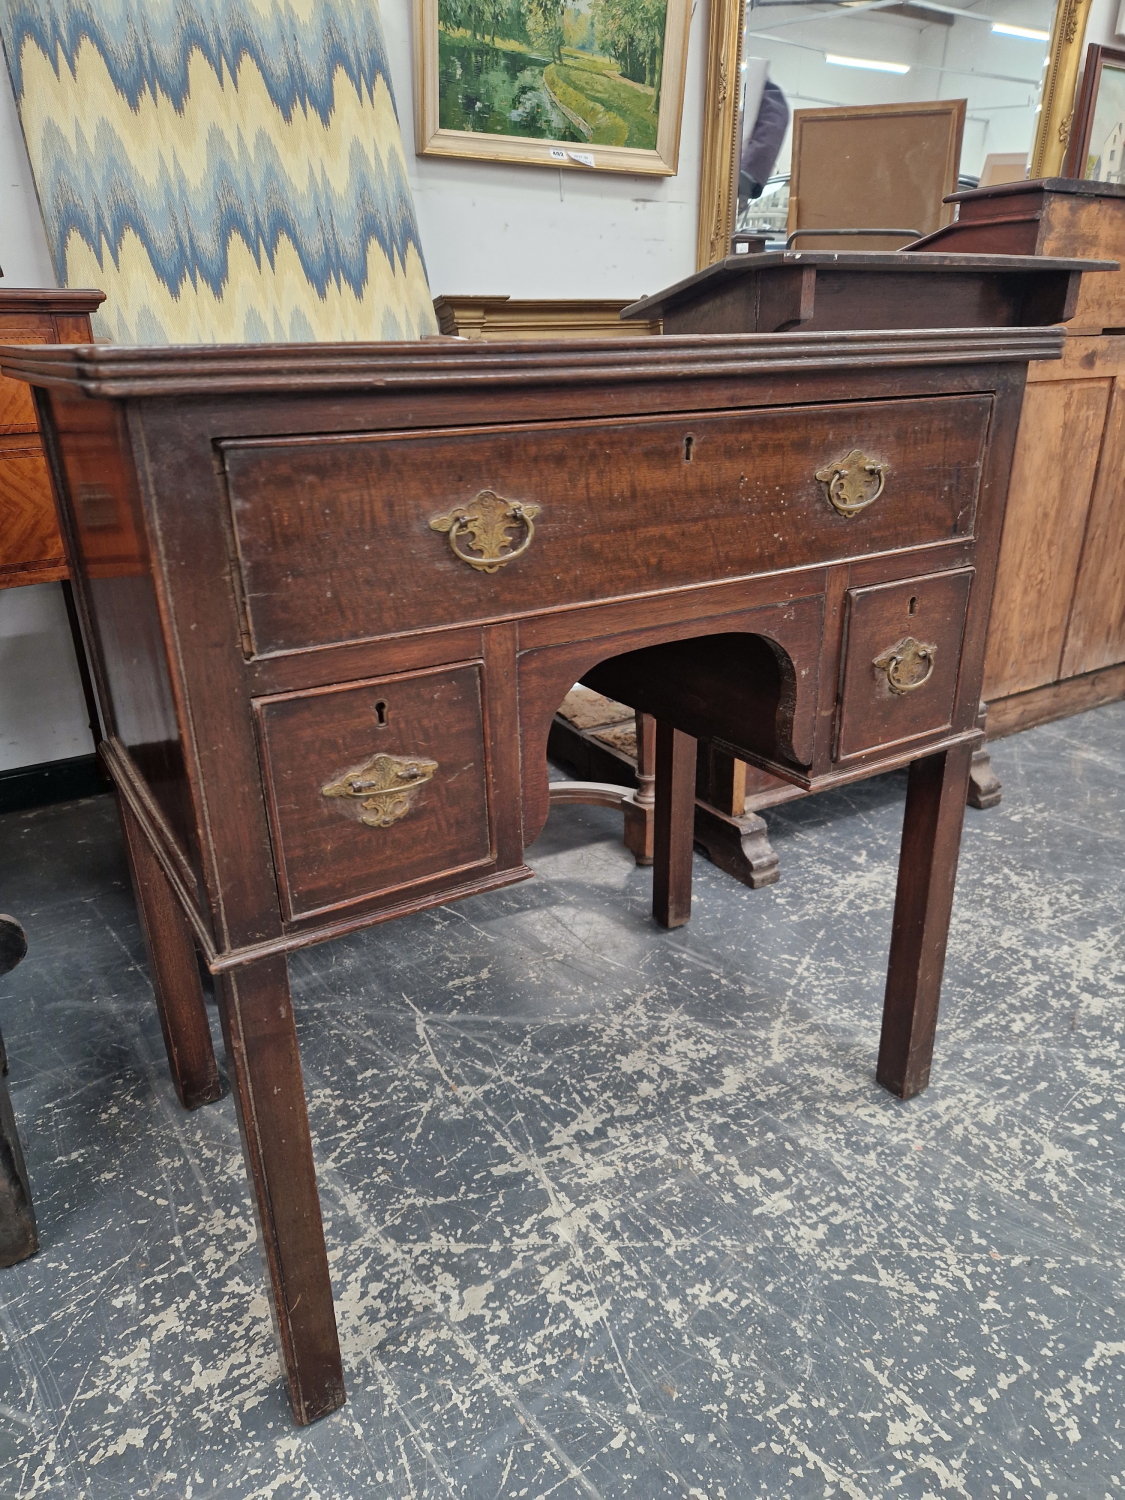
[567,70]
[481,19]
[578,30]
[545,25]
[605,128]
[632,31]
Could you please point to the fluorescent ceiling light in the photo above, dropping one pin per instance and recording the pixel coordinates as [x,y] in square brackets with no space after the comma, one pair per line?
[866,62]
[1027,32]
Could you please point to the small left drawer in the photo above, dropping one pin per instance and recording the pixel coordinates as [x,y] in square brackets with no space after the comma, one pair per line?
[375,788]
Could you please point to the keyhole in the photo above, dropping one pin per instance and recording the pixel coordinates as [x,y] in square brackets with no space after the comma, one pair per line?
[689,444]
[381,714]
[913,603]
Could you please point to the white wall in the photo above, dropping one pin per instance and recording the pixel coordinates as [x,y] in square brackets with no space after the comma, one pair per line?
[543,231]
[23,245]
[42,711]
[1103,23]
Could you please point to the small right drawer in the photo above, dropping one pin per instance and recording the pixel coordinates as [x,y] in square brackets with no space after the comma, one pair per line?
[901,661]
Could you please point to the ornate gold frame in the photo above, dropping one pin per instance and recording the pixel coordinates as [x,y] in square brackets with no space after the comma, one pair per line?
[431,140]
[720,131]
[1060,83]
[720,120]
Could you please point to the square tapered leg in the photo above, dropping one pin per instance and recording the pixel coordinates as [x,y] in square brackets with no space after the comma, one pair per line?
[927,871]
[175,974]
[265,1068]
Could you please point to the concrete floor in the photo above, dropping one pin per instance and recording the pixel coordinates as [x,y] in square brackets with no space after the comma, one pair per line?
[611,1211]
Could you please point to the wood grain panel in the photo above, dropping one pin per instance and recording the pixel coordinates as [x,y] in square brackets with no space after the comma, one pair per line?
[1057,700]
[29,530]
[334,539]
[17,412]
[1048,499]
[1095,636]
[1093,228]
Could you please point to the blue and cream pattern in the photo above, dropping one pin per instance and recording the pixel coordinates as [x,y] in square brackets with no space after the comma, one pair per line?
[227,171]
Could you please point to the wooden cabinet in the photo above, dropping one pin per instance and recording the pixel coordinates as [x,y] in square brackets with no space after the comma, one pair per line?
[1057,641]
[1056,644]
[31,549]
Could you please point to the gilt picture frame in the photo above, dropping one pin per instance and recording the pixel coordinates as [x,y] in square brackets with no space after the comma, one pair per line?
[721,123]
[586,85]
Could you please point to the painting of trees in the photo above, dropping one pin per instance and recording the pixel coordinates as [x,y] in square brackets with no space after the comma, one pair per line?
[632,32]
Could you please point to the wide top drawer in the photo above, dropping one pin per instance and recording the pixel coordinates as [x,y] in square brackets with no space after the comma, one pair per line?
[342,538]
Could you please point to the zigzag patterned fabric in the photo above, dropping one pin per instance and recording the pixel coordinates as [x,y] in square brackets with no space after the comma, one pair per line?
[227,171]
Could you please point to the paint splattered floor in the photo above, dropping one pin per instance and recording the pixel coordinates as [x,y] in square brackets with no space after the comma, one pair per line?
[611,1211]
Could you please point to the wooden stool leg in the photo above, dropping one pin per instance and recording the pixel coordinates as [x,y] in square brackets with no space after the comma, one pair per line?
[674,829]
[175,976]
[639,813]
[262,1056]
[927,871]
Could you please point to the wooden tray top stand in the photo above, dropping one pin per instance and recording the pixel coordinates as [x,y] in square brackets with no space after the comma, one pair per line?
[335,594]
[814,290]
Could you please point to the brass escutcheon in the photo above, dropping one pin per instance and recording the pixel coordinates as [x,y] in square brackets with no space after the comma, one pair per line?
[486,521]
[908,665]
[854,482]
[384,786]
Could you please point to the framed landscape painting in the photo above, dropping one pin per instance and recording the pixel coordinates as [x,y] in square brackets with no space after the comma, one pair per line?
[557,83]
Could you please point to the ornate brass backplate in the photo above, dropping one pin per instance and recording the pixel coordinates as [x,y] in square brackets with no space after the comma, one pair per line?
[385,786]
[908,664]
[486,522]
[853,482]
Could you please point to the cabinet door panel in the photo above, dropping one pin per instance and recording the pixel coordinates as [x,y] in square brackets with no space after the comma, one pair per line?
[1096,635]
[1048,501]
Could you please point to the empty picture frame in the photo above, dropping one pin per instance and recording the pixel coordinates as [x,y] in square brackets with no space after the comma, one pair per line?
[875,166]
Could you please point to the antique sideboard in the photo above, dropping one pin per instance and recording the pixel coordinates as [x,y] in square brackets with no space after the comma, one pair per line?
[334,595]
[31,549]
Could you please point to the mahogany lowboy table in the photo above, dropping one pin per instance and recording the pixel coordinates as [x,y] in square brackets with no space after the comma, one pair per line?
[335,594]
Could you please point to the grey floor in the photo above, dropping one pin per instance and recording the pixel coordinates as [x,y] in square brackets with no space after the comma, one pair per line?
[610,1211]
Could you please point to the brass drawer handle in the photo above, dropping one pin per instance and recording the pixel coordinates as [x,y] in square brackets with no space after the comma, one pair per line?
[854,482]
[385,786]
[486,521]
[908,665]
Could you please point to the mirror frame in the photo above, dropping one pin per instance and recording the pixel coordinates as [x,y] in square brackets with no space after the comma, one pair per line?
[718,177]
